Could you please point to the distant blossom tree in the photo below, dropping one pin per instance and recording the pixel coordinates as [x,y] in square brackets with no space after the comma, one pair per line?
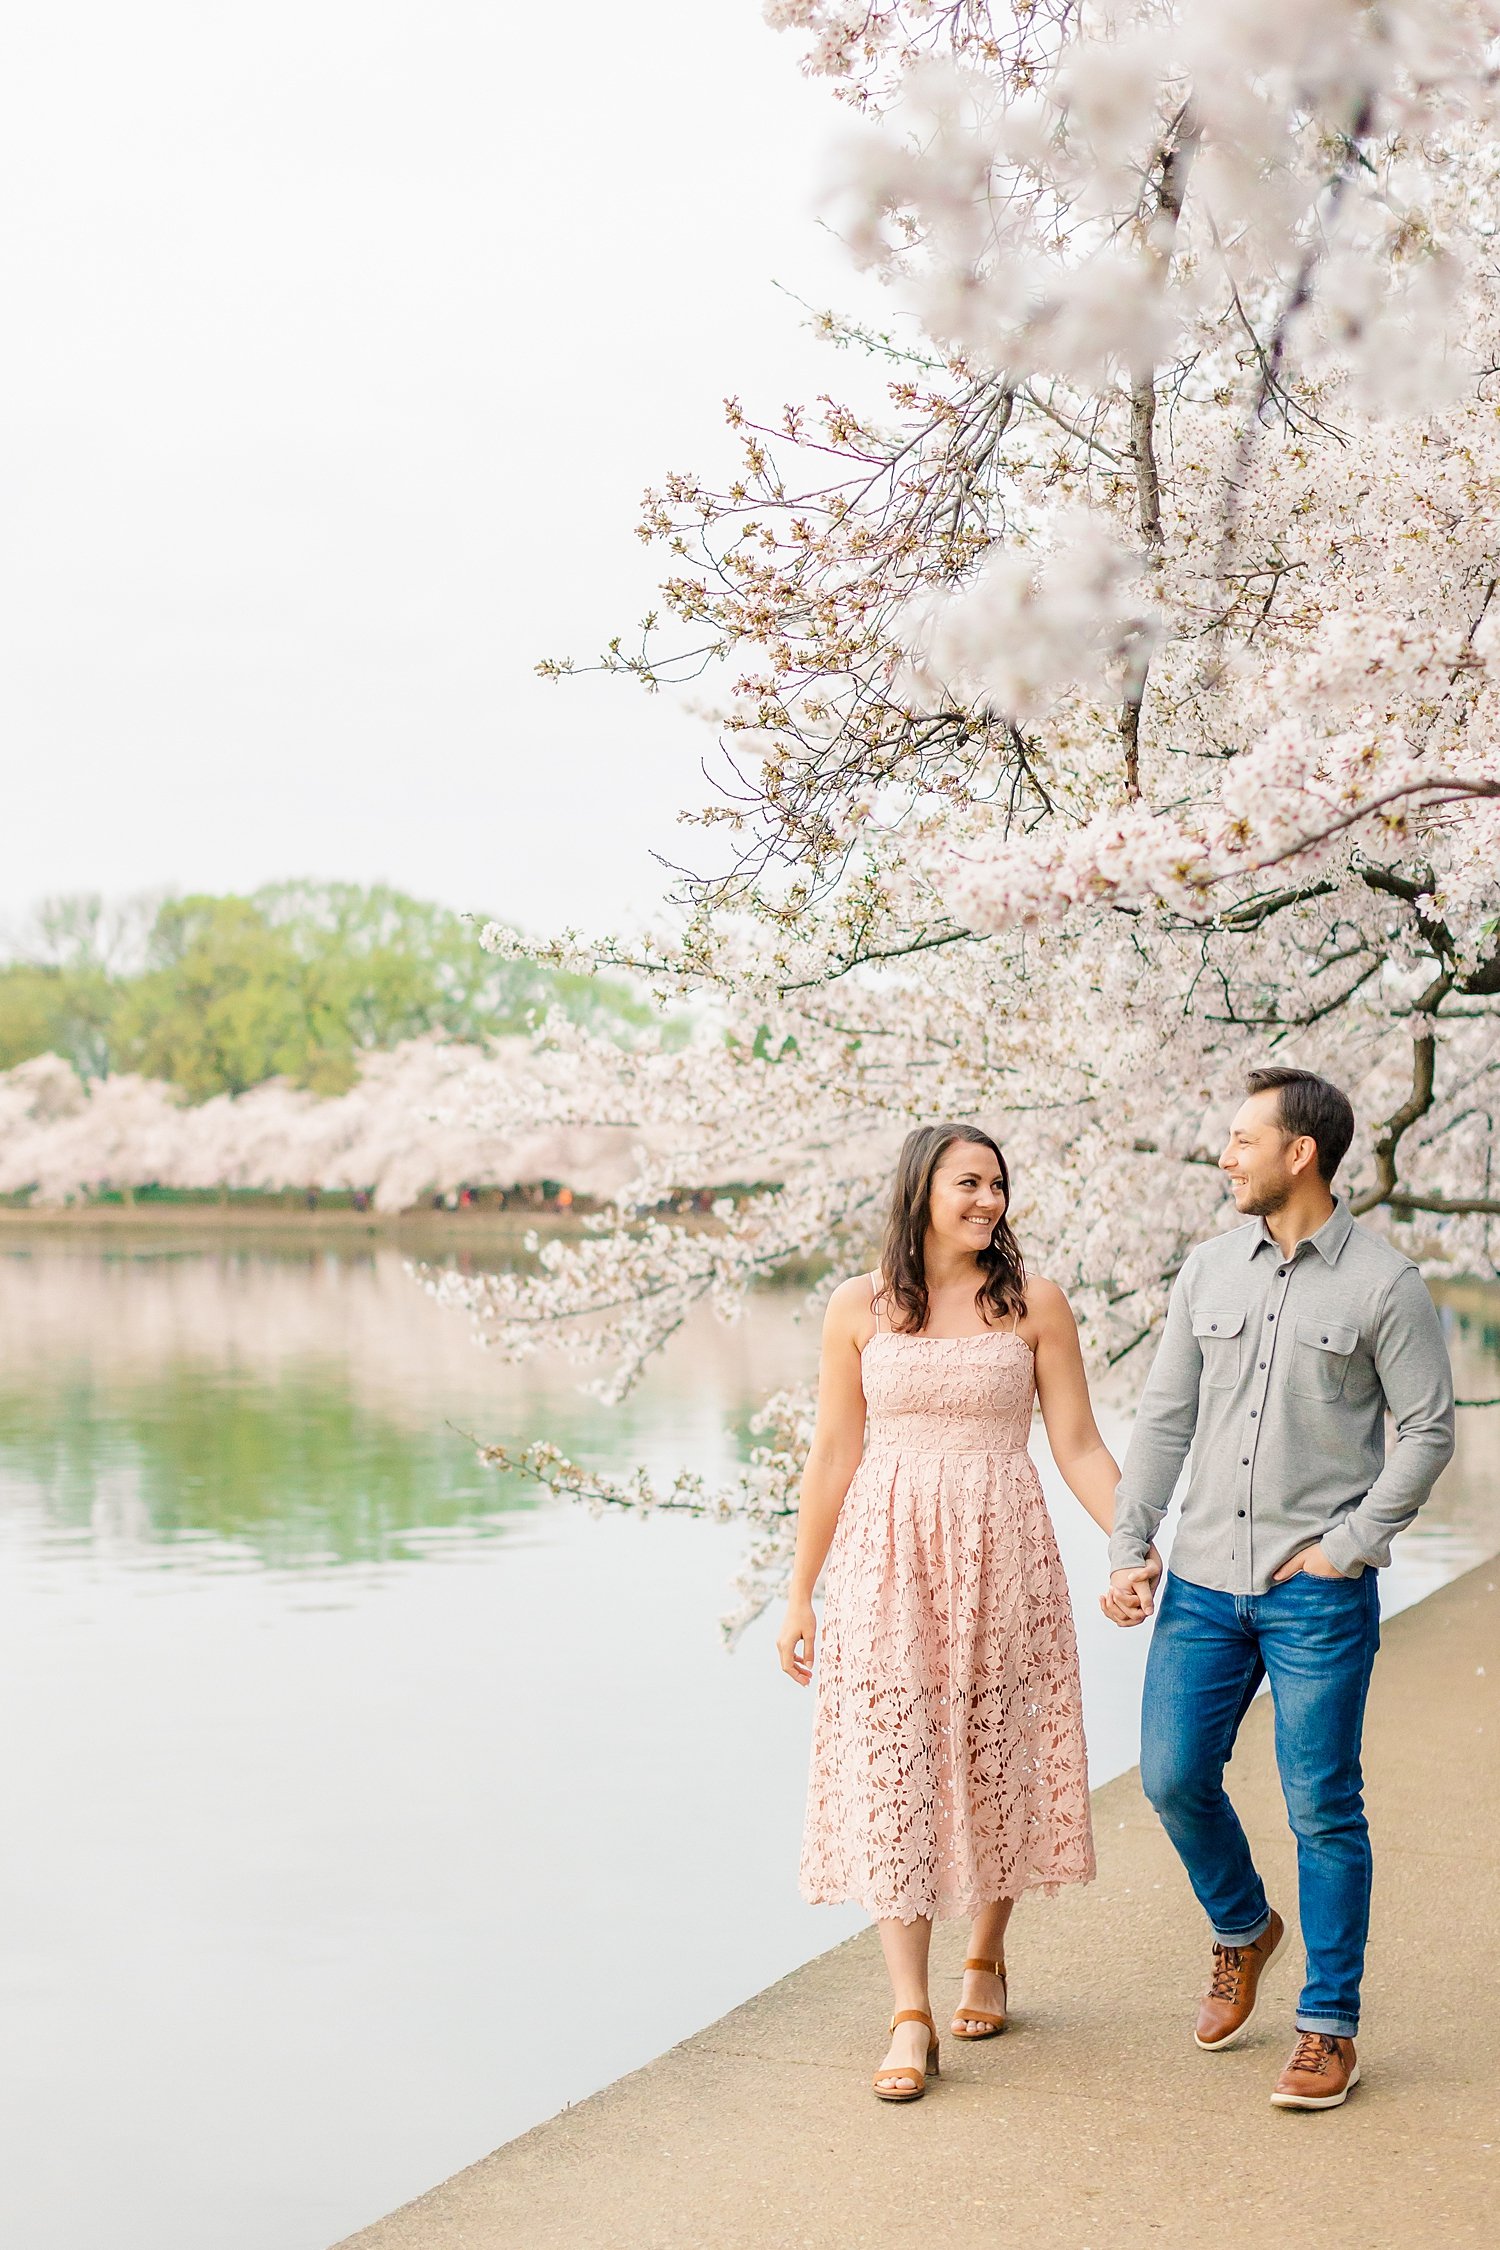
[1116,707]
[401,1133]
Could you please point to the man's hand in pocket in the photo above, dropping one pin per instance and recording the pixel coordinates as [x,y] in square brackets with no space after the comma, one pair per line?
[1313,1560]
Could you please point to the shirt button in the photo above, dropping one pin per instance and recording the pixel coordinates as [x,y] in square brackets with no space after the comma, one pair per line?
[1281,1273]
[1253,1412]
[1214,1324]
[1325,1339]
[1241,1511]
[1245,1461]
[1262,1363]
[1270,1316]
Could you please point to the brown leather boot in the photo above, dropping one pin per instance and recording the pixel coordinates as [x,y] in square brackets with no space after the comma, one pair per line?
[1229,2002]
[1320,2073]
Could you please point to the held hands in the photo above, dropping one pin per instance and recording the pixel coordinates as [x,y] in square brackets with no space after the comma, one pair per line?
[1132,1593]
[1311,1559]
[794,1643]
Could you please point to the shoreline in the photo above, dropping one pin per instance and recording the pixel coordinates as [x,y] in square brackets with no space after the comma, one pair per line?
[229,1219]
[480,1231]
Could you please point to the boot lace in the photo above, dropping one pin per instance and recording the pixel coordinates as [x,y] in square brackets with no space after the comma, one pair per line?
[1314,2051]
[1229,1961]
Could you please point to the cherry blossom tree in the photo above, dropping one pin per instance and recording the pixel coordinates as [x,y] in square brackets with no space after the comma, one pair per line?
[1111,706]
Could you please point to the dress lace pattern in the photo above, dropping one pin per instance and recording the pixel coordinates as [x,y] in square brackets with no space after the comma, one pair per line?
[948,1761]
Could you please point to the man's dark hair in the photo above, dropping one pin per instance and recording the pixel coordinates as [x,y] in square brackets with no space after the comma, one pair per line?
[1309,1104]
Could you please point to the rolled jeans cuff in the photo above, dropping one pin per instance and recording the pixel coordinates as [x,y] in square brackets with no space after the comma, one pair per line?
[1244,1937]
[1337,2027]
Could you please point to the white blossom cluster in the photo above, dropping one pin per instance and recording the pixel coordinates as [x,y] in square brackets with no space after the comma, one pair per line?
[1029,625]
[993,198]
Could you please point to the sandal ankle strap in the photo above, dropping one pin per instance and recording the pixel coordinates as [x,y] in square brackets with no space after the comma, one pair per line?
[914,2015]
[990,1968]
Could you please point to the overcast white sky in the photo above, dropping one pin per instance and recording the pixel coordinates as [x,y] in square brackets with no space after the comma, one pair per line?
[341,338]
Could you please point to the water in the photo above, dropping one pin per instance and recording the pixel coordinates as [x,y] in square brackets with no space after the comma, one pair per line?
[362,1809]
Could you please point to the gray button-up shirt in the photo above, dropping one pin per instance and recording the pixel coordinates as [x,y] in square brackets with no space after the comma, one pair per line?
[1278,1373]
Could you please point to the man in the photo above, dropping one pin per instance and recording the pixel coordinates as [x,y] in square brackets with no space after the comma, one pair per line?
[1286,1343]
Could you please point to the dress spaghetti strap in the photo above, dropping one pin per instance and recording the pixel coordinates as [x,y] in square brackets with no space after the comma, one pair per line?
[876,1293]
[1015,1320]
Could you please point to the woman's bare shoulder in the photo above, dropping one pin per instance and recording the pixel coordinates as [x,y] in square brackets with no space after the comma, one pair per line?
[849,1310]
[1046,1303]
[854,1295]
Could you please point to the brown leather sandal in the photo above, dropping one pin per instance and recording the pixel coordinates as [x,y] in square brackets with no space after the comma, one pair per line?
[915,2081]
[993,2024]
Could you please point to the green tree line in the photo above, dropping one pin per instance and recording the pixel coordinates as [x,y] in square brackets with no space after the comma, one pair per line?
[217,993]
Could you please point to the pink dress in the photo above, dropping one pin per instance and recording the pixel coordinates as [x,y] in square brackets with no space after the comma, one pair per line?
[948,1762]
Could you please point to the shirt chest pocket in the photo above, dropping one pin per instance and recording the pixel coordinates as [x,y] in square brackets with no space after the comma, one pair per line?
[1219,1335]
[1320,1356]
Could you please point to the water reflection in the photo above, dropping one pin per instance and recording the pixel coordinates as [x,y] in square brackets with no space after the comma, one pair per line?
[232,1409]
[286,1472]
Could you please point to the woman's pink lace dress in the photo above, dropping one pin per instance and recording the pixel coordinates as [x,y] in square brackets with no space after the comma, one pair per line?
[948,1763]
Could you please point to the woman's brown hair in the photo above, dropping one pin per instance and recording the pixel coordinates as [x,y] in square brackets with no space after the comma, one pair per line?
[903,1260]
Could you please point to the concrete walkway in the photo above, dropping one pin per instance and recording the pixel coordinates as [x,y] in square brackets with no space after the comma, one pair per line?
[1094,2124]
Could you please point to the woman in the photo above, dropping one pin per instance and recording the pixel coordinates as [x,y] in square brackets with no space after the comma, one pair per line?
[948,1763]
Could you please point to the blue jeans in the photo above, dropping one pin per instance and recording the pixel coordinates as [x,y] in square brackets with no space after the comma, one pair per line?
[1315,1640]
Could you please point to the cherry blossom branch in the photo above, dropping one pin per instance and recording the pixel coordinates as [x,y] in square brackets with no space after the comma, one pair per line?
[869,956]
[1448,1206]
[1418,1102]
